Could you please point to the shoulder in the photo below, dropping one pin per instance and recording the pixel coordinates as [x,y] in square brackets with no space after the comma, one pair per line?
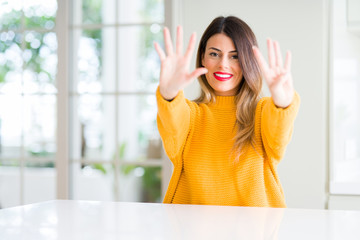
[196,105]
[261,103]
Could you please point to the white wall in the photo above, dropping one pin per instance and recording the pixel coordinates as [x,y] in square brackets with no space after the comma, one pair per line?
[300,26]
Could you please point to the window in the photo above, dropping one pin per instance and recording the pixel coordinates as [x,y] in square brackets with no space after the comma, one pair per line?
[114,144]
[345,95]
[28,60]
[114,147]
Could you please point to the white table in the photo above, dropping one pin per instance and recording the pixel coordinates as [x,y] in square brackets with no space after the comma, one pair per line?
[66,219]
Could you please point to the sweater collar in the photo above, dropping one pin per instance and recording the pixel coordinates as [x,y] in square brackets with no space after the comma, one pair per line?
[224,102]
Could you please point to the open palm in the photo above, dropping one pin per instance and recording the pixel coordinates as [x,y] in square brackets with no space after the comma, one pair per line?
[277,75]
[174,73]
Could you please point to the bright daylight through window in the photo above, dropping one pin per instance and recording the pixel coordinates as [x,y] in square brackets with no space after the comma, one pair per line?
[28,60]
[345,99]
[115,150]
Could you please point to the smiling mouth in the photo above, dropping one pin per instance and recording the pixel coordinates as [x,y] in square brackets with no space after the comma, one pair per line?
[222,76]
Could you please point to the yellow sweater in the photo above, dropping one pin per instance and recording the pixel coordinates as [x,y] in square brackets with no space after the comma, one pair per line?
[198,139]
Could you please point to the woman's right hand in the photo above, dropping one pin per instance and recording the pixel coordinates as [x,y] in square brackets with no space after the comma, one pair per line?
[174,73]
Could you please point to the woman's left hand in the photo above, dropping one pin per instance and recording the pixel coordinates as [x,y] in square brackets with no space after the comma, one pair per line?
[277,75]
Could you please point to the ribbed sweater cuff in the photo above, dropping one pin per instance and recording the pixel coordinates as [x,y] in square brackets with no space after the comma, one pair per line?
[163,103]
[294,106]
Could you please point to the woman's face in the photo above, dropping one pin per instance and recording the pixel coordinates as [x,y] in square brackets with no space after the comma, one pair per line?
[221,60]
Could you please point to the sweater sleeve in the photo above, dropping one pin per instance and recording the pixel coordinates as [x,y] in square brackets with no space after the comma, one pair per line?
[277,126]
[173,121]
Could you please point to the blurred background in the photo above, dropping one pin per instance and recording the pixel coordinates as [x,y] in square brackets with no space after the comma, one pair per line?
[114,150]
[78,107]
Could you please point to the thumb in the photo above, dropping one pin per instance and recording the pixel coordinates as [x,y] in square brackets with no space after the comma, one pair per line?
[197,72]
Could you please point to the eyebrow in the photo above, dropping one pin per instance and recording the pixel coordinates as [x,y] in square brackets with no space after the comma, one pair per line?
[234,51]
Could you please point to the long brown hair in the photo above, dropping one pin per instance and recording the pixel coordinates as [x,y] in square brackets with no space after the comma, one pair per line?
[249,90]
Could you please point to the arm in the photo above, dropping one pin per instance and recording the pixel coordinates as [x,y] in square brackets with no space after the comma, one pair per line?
[278,113]
[277,126]
[173,112]
[173,122]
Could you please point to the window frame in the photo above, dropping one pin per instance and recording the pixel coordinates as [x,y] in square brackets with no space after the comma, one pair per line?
[64,108]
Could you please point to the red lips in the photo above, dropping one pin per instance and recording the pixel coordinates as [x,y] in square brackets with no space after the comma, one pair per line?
[222,76]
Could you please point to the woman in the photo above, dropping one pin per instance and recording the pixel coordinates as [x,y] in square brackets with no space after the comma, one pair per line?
[226,145]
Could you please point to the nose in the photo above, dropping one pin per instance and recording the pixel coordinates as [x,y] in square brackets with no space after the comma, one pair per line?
[224,63]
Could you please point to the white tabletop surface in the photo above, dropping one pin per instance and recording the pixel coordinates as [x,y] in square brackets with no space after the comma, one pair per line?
[67,219]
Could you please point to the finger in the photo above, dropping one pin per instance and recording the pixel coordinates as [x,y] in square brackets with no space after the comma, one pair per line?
[282,78]
[278,57]
[197,73]
[168,42]
[159,51]
[261,60]
[271,53]
[190,47]
[179,40]
[287,65]
[289,83]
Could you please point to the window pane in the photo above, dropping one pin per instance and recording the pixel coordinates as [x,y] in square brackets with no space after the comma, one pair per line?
[140,184]
[10,14]
[136,11]
[40,13]
[132,183]
[92,182]
[93,127]
[40,126]
[345,109]
[139,64]
[138,136]
[96,61]
[94,11]
[28,62]
[39,183]
[347,132]
[10,126]
[11,62]
[40,57]
[9,186]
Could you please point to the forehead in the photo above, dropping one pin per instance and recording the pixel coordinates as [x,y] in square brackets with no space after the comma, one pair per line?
[221,42]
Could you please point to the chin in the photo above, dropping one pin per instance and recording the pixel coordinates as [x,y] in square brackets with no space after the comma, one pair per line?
[222,89]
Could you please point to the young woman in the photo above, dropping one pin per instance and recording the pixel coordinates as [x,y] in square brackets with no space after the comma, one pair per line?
[226,145]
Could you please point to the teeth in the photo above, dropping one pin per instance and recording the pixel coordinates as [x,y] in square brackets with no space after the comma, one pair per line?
[223,75]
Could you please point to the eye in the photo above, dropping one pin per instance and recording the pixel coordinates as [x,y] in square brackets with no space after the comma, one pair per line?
[213,54]
[235,57]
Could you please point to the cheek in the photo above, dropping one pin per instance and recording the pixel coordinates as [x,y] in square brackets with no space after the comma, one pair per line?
[208,76]
[237,68]
[208,63]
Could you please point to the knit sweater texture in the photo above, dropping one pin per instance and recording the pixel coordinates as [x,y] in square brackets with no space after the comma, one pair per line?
[198,139]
